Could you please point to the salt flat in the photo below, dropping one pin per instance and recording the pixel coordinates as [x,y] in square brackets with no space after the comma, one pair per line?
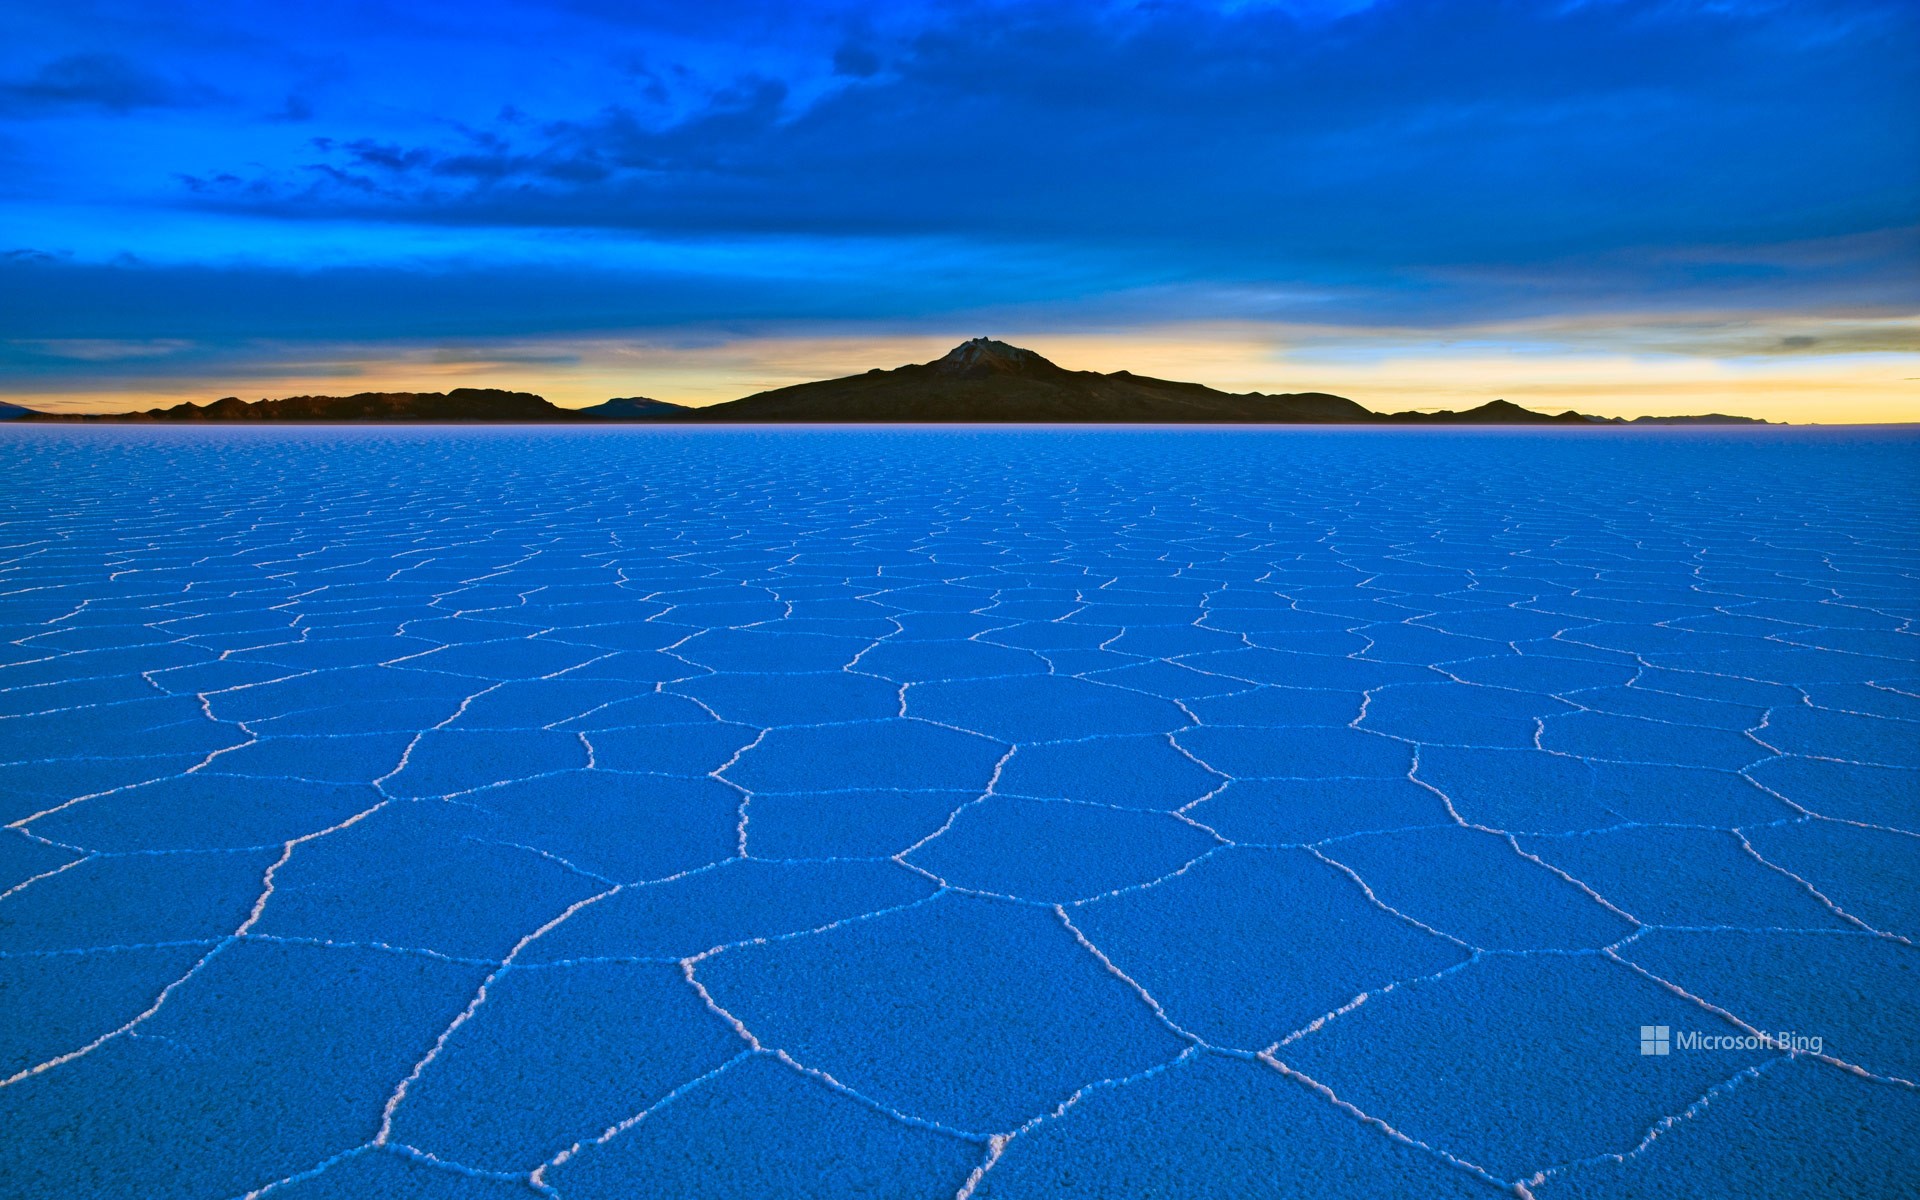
[444,812]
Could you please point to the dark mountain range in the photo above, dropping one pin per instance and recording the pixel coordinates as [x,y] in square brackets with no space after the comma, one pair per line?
[978,381]
[460,404]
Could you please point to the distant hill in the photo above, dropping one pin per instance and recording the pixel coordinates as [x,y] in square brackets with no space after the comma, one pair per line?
[460,404]
[1493,412]
[1703,419]
[13,412]
[978,381]
[631,408]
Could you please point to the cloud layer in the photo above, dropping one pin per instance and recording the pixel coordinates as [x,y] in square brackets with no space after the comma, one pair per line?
[242,175]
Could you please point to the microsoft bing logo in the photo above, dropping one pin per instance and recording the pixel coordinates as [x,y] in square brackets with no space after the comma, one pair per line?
[1660,1039]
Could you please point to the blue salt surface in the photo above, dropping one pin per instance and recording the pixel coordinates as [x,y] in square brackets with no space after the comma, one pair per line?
[1057,851]
[459,890]
[1142,771]
[1860,994]
[563,1055]
[1474,886]
[1832,858]
[200,810]
[735,901]
[690,750]
[1080,814]
[1792,1128]
[1263,1135]
[1515,1064]
[56,1002]
[396,1175]
[135,900]
[1290,812]
[1248,946]
[855,824]
[273,1059]
[623,828]
[1675,875]
[759,1128]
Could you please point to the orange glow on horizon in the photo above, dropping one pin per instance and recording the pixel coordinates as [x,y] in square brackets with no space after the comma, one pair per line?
[1385,370]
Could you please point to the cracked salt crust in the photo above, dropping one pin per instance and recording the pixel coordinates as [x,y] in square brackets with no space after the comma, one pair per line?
[1145,712]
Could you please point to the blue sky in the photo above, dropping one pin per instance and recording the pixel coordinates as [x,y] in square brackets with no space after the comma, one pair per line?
[691,200]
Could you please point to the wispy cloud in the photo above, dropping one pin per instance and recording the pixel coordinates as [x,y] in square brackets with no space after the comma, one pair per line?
[93,350]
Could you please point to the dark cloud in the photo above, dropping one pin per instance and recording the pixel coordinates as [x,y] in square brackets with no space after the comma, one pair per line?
[857,61]
[1412,132]
[45,298]
[48,297]
[1423,161]
[107,82]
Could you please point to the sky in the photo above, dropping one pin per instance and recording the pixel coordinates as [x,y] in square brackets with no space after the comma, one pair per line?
[1620,206]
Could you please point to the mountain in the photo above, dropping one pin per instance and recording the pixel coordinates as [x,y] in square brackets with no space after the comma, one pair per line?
[12,412]
[983,380]
[632,408]
[980,380]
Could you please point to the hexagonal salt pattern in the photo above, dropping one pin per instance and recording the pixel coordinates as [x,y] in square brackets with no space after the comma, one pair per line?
[651,812]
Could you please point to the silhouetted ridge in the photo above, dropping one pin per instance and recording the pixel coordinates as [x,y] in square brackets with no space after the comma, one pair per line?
[979,381]
[1493,412]
[460,404]
[1701,419]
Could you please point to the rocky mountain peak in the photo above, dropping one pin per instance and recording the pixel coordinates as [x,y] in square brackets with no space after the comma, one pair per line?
[984,356]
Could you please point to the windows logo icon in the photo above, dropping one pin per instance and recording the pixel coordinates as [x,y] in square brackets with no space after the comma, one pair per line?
[1653,1039]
